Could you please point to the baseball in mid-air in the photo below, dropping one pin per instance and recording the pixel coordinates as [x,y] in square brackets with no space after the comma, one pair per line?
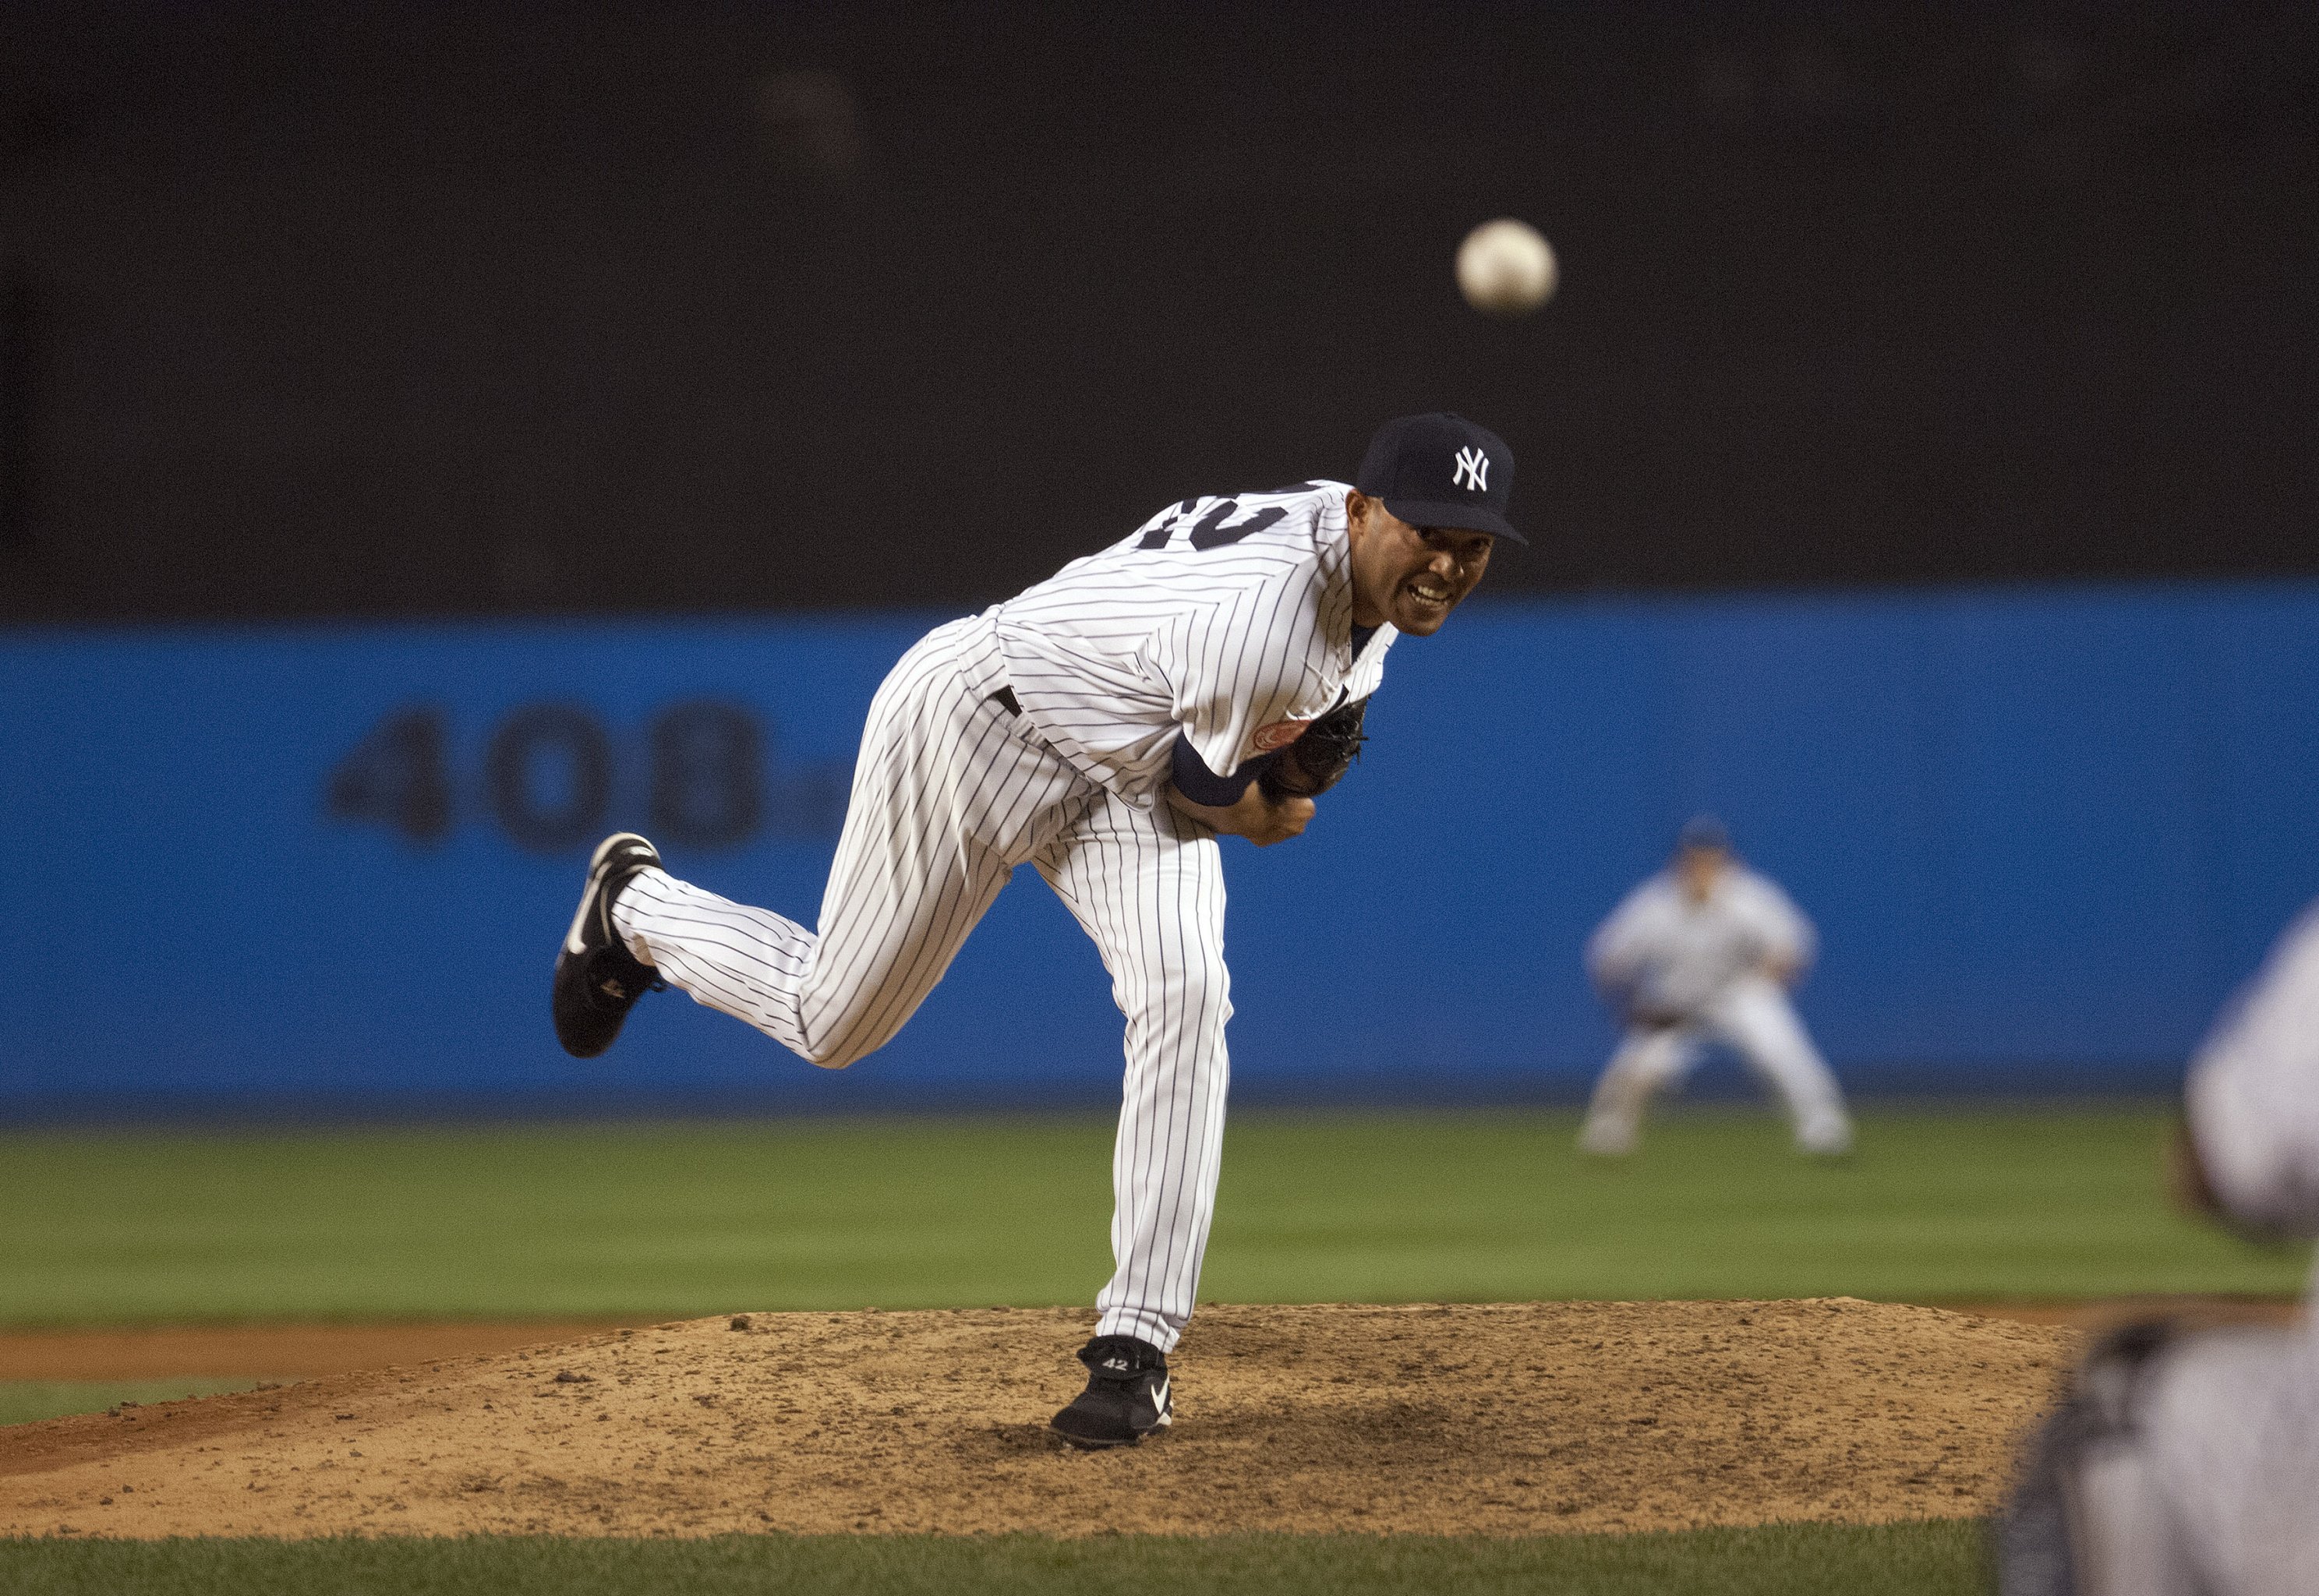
[1505,268]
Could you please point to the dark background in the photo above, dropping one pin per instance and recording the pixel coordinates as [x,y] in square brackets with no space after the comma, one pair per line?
[354,311]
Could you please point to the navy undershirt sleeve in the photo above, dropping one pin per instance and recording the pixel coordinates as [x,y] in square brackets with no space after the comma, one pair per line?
[1202,785]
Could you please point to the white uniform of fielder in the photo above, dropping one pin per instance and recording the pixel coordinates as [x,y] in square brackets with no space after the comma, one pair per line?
[2192,1469]
[1703,951]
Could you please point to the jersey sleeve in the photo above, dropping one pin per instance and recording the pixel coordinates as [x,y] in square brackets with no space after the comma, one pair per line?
[1236,668]
[1786,934]
[1621,945]
[2252,1098]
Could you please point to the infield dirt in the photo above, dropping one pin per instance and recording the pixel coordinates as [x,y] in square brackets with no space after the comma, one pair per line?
[1496,1420]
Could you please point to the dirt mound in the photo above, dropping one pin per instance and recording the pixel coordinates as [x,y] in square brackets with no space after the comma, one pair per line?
[1498,1420]
[166,1351]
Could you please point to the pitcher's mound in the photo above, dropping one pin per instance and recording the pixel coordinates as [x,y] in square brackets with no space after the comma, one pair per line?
[1512,1419]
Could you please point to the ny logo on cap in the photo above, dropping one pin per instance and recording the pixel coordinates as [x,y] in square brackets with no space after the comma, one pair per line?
[1473,471]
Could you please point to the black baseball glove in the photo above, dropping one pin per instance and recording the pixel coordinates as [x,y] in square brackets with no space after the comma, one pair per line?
[1318,759]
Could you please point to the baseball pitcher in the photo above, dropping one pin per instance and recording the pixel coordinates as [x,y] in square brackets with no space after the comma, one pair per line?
[1703,952]
[2187,1464]
[1203,678]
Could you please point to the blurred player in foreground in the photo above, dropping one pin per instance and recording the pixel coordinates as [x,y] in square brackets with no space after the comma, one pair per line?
[1202,677]
[1705,951]
[2187,1463]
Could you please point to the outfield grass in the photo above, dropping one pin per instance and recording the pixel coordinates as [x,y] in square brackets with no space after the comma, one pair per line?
[663,1219]
[1934,1559]
[22,1401]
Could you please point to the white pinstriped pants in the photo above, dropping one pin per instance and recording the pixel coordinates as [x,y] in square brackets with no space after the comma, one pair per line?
[951,792]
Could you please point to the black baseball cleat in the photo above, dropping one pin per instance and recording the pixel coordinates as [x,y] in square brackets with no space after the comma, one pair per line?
[1125,1399]
[596,979]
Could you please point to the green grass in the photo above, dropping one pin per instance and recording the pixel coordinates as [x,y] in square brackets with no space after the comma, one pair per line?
[24,1401]
[660,1220]
[698,1218]
[1933,1559]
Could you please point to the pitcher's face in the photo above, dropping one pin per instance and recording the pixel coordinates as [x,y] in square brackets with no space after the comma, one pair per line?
[1411,576]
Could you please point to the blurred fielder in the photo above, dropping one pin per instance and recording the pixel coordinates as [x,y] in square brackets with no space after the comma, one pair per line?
[1202,677]
[1705,951]
[2187,1463]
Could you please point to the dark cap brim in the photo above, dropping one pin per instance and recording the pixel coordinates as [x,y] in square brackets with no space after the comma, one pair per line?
[1465,517]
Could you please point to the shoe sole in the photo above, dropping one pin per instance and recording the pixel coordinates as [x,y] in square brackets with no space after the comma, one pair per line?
[587,1045]
[1094,1444]
[573,942]
[1089,1444]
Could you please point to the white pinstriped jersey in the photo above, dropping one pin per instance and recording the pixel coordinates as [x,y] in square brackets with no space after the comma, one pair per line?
[1225,619]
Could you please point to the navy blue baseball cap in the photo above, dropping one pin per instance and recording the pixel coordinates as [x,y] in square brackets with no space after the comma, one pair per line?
[1441,471]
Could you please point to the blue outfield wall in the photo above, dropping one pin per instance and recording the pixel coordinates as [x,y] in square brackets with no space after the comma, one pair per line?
[2043,831]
